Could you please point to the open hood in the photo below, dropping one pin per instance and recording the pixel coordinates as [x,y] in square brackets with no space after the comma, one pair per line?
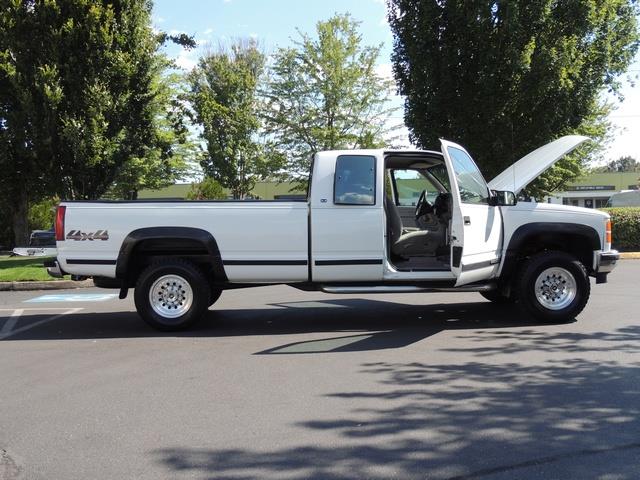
[531,166]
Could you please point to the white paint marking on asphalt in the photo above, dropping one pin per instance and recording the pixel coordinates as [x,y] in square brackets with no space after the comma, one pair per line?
[73,297]
[11,321]
[36,308]
[35,324]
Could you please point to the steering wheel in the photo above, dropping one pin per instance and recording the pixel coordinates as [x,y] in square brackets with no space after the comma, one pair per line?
[423,206]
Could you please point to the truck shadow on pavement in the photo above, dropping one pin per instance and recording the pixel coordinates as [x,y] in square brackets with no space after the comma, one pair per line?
[353,324]
[378,325]
[571,419]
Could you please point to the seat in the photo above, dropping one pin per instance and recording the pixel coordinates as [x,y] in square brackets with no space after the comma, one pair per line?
[412,243]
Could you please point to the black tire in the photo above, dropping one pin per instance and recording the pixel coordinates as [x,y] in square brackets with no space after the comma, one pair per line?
[184,288]
[496,296]
[214,295]
[566,274]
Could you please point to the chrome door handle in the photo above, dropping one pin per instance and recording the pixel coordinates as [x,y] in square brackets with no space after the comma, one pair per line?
[467,220]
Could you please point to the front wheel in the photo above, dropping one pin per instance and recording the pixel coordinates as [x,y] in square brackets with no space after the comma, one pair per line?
[553,286]
[171,295]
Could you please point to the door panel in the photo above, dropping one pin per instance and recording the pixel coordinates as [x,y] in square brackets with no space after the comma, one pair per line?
[347,243]
[476,226]
[347,219]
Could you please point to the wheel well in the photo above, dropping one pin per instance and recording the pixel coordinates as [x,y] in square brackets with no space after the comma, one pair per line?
[146,252]
[579,245]
[143,247]
[573,244]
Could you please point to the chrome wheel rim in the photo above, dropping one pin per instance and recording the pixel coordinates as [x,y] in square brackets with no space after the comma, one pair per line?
[171,296]
[556,288]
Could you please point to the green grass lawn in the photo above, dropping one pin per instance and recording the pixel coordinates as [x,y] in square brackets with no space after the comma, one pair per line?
[14,269]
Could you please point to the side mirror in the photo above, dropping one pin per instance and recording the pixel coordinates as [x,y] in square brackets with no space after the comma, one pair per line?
[503,198]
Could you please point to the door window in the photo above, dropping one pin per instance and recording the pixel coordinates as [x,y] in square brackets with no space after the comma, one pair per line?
[355,180]
[471,184]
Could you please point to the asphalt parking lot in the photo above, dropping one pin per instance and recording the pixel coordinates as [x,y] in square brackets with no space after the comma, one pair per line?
[278,383]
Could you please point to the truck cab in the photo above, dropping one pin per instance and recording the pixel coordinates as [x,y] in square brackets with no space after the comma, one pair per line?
[412,215]
[403,215]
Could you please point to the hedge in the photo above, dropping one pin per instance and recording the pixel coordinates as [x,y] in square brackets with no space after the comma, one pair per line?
[626,227]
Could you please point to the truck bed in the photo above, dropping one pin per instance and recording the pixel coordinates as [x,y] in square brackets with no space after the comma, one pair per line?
[260,240]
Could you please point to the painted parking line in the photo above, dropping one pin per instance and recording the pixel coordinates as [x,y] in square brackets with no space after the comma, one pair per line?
[8,329]
[73,297]
[11,322]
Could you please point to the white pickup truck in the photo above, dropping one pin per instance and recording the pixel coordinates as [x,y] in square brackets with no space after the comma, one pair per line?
[375,221]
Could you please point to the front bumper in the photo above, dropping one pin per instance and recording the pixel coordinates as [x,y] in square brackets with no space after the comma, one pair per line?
[604,263]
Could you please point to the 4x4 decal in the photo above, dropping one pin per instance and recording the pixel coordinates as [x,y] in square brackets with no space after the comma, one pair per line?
[79,235]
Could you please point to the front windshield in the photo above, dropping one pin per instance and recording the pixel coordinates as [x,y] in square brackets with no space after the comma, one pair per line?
[410,183]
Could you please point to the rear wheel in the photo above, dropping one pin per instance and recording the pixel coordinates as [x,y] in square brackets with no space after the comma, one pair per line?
[553,286]
[171,295]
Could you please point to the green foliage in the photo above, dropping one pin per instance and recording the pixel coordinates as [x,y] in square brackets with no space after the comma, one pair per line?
[80,100]
[505,78]
[224,98]
[43,213]
[170,148]
[325,94]
[23,269]
[622,164]
[207,189]
[625,227]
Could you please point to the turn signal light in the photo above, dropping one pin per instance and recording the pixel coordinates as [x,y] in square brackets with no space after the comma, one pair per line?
[607,232]
[60,213]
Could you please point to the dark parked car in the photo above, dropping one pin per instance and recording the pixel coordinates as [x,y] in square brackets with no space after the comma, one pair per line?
[42,238]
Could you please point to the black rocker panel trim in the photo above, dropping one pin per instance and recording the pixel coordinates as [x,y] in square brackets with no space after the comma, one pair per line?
[265,262]
[83,261]
[365,261]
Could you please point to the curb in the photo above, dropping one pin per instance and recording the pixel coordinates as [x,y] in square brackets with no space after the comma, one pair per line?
[629,255]
[49,285]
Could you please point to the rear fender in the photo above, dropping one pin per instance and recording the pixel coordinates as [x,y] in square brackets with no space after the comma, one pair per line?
[172,236]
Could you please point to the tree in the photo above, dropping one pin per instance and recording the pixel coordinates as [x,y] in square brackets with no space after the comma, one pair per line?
[77,99]
[622,164]
[42,214]
[170,148]
[224,99]
[324,94]
[207,189]
[504,78]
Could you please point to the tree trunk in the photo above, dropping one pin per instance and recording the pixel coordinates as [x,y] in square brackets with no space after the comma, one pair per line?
[20,219]
[133,195]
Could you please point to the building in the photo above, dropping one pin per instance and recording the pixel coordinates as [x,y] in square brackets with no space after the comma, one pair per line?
[594,190]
